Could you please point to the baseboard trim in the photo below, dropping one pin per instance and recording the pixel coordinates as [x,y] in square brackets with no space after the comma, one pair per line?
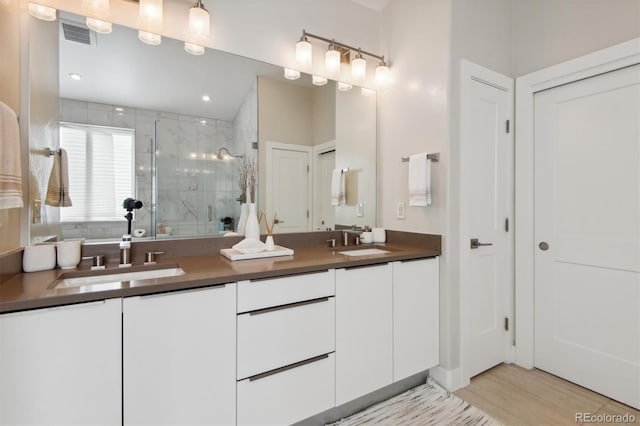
[451,380]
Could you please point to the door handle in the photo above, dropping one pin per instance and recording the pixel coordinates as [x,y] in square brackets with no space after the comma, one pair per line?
[475,243]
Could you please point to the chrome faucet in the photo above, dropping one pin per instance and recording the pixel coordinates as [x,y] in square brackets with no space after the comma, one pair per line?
[345,236]
[125,251]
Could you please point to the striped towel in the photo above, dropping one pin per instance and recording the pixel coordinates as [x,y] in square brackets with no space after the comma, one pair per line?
[10,167]
[58,190]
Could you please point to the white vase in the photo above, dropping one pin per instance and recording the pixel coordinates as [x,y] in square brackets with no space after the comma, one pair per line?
[242,223]
[269,243]
[252,229]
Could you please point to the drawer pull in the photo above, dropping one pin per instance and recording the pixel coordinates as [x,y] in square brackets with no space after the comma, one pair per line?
[348,268]
[287,367]
[289,305]
[257,280]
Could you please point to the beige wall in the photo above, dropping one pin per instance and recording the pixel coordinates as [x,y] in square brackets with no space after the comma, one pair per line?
[10,95]
[323,111]
[547,32]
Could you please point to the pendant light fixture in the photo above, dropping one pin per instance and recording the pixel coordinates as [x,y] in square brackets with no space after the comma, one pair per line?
[150,17]
[304,53]
[383,75]
[290,74]
[332,59]
[318,80]
[44,13]
[199,28]
[97,11]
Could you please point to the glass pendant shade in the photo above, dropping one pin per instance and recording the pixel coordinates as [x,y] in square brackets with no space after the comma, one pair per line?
[199,22]
[332,61]
[150,16]
[319,80]
[358,68]
[39,11]
[344,87]
[194,49]
[149,38]
[383,76]
[96,8]
[102,27]
[290,74]
[303,52]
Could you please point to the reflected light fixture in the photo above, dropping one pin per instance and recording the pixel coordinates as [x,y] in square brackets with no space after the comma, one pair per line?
[194,49]
[358,67]
[199,28]
[290,74]
[319,80]
[344,87]
[303,51]
[150,18]
[99,11]
[39,11]
[332,59]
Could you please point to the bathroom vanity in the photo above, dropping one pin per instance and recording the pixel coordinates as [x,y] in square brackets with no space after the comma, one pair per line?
[265,341]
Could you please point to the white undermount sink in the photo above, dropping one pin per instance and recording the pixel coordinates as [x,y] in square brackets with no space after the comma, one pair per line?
[363,252]
[119,277]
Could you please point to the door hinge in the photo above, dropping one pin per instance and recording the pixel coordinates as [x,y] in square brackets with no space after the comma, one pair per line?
[307,168]
[508,123]
[506,324]
[307,214]
[506,225]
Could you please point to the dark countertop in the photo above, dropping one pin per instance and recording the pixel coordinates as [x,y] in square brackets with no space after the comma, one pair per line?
[31,290]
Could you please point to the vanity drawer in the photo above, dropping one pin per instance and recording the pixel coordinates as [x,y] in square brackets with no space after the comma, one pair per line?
[275,337]
[259,294]
[288,395]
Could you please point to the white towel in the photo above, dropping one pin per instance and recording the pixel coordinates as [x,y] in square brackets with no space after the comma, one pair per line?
[338,188]
[58,190]
[419,180]
[10,167]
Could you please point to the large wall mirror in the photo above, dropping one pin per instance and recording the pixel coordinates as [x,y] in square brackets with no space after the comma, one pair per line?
[171,129]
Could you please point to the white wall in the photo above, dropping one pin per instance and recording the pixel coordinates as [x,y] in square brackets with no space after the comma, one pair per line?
[413,118]
[547,32]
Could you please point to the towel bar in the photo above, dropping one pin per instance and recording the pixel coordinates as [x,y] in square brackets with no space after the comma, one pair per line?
[435,157]
[50,152]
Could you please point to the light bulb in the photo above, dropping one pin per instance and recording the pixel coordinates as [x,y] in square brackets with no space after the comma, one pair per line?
[332,60]
[319,80]
[102,27]
[199,22]
[367,92]
[194,49]
[344,87]
[358,67]
[383,76]
[96,8]
[150,16]
[290,74]
[303,52]
[39,11]
[149,38]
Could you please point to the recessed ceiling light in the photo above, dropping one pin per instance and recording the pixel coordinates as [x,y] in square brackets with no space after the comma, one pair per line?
[206,98]
[75,76]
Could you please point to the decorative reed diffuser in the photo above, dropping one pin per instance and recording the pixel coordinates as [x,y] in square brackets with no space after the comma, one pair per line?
[269,225]
[252,229]
[244,208]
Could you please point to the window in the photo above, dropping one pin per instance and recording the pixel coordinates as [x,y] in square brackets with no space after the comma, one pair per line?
[101,173]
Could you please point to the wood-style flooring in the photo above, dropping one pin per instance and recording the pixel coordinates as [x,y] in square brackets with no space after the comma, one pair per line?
[516,396]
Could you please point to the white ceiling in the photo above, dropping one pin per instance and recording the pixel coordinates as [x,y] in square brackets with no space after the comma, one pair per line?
[121,70]
[372,4]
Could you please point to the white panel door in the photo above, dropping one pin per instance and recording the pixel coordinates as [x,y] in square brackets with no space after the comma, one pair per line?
[62,366]
[489,160]
[289,184]
[180,358]
[587,228]
[364,331]
[323,211]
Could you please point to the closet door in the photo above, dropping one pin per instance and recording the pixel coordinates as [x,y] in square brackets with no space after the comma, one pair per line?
[587,229]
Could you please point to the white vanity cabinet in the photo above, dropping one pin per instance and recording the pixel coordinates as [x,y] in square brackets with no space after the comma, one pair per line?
[415,316]
[62,365]
[179,357]
[286,344]
[364,331]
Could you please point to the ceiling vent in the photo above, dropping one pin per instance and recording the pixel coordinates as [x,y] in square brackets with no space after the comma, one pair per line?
[78,34]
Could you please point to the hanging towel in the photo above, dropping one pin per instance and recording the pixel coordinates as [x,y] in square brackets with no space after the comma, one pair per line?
[58,190]
[338,188]
[10,167]
[419,180]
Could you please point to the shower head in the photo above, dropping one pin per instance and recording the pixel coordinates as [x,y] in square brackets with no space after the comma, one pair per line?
[221,156]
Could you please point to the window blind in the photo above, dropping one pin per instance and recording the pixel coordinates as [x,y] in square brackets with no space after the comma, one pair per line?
[101,171]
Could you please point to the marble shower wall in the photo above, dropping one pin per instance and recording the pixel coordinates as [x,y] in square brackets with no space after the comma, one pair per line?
[194,189]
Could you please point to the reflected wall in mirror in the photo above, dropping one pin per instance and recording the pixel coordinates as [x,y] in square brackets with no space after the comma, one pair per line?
[158,92]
